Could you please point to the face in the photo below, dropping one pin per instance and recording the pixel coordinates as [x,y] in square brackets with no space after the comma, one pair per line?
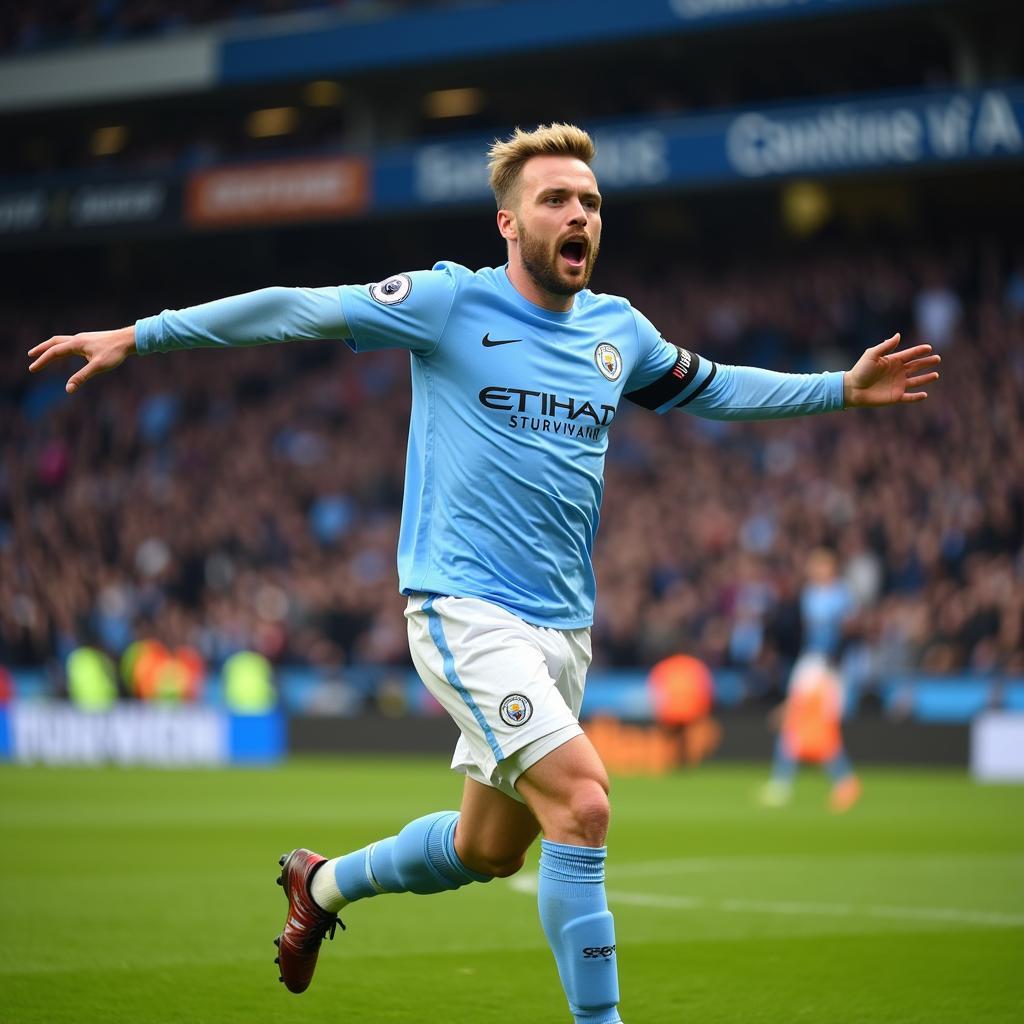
[821,566]
[556,223]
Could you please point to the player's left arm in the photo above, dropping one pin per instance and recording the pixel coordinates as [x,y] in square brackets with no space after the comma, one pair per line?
[673,377]
[884,375]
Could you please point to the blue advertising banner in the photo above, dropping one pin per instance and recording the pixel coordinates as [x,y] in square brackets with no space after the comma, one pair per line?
[853,136]
[50,732]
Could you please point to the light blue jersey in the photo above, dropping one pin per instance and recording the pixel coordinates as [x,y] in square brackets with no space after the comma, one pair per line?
[512,405]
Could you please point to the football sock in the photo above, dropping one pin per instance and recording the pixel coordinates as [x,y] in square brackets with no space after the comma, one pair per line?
[580,929]
[420,859]
[839,767]
[784,765]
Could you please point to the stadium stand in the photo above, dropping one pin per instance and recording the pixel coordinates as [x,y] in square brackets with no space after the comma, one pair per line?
[152,510]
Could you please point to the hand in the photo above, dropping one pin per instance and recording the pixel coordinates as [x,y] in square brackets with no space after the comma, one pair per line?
[883,376]
[102,350]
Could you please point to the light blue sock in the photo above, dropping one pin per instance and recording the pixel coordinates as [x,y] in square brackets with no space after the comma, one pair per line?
[839,767]
[580,929]
[420,859]
[784,765]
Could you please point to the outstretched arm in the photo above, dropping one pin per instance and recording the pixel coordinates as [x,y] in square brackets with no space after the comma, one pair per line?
[882,376]
[256,318]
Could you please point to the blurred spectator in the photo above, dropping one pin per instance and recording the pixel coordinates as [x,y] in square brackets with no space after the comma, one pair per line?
[682,691]
[92,680]
[937,312]
[249,684]
[153,672]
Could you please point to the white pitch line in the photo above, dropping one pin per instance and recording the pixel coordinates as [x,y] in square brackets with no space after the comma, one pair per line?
[731,862]
[948,914]
[993,918]
[647,899]
[527,883]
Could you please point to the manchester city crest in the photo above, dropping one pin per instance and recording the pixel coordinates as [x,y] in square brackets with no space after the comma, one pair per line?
[608,360]
[516,709]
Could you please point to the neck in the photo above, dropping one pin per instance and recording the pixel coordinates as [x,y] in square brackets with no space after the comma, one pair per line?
[533,292]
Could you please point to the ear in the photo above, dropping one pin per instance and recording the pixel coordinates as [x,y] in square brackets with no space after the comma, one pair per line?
[507,226]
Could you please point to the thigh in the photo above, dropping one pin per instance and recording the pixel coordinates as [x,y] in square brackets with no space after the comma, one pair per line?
[567,791]
[557,776]
[494,831]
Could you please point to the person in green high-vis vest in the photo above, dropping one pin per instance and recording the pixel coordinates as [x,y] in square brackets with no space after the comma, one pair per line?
[92,679]
[248,684]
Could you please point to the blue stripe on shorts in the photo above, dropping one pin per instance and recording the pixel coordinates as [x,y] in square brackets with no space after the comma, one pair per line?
[437,635]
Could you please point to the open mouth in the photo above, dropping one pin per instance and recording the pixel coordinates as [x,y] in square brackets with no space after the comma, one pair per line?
[574,252]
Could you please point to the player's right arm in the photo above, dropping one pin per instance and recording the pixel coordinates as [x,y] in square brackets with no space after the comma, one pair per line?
[373,316]
[255,318]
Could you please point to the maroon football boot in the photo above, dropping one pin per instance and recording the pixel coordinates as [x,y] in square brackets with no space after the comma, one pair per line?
[306,923]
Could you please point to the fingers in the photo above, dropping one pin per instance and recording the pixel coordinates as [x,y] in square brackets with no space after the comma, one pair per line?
[925,378]
[93,368]
[914,396]
[76,381]
[909,354]
[886,346]
[49,343]
[919,364]
[55,348]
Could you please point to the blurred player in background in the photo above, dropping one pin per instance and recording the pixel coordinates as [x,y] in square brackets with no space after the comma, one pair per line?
[517,373]
[810,732]
[811,716]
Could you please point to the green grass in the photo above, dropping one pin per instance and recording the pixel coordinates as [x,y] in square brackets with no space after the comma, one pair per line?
[148,896]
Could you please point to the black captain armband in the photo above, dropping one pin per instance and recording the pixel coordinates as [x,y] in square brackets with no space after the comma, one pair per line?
[673,383]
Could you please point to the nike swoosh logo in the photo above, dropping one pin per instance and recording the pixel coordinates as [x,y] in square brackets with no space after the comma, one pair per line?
[490,342]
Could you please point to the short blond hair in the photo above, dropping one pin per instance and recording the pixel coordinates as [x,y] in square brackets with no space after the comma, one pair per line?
[507,156]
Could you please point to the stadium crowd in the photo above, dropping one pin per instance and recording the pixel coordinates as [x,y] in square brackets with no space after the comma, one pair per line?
[250,499]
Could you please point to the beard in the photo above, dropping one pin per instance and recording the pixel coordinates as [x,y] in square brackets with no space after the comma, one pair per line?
[540,261]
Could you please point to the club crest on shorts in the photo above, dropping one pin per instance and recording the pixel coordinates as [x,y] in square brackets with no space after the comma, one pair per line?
[392,291]
[516,709]
[608,360]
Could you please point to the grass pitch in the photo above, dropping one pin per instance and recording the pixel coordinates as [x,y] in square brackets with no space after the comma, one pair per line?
[148,896]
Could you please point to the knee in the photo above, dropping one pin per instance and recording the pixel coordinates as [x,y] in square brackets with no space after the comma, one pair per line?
[592,811]
[503,867]
[493,861]
[587,812]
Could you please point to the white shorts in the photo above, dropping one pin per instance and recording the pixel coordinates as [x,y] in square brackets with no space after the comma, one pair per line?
[515,690]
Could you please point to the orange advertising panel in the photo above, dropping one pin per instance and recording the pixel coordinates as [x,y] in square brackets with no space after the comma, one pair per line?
[280,191]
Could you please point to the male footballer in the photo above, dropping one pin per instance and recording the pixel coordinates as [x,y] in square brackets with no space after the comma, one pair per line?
[517,374]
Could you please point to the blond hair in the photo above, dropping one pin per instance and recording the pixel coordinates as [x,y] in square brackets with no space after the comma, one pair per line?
[506,157]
